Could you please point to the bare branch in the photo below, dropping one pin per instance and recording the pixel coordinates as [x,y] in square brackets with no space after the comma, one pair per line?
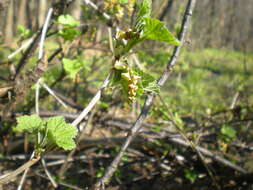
[44,32]
[8,177]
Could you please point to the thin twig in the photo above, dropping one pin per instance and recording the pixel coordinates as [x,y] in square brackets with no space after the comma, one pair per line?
[93,102]
[210,154]
[52,93]
[37,94]
[44,32]
[61,183]
[24,46]
[55,185]
[94,6]
[8,177]
[110,39]
[235,98]
[24,175]
[137,125]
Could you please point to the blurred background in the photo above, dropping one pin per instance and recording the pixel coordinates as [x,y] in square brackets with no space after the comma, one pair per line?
[216,24]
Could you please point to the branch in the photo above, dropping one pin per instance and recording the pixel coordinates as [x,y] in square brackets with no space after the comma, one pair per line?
[137,125]
[209,154]
[6,178]
[44,32]
[93,102]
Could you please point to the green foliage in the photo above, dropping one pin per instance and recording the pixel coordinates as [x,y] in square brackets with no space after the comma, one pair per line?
[23,32]
[100,172]
[29,124]
[228,132]
[145,28]
[69,24]
[55,130]
[156,30]
[73,66]
[151,28]
[148,83]
[144,11]
[179,122]
[191,175]
[67,21]
[61,133]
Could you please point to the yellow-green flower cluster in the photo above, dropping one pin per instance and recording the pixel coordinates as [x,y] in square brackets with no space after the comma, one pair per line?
[132,81]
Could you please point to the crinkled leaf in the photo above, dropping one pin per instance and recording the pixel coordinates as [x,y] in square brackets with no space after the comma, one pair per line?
[148,82]
[67,20]
[152,87]
[72,66]
[61,133]
[30,124]
[154,29]
[144,10]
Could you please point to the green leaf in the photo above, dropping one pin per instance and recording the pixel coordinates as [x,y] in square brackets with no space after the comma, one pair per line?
[67,20]
[148,82]
[72,66]
[191,175]
[100,172]
[228,131]
[69,34]
[156,30]
[152,87]
[23,32]
[144,10]
[30,124]
[61,133]
[179,122]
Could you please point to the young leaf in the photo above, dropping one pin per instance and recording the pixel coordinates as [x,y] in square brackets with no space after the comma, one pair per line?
[67,21]
[148,82]
[30,124]
[72,66]
[69,34]
[154,29]
[152,87]
[23,31]
[144,10]
[61,133]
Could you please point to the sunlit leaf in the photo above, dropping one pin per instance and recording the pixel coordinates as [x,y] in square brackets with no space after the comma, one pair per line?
[156,30]
[28,123]
[61,133]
